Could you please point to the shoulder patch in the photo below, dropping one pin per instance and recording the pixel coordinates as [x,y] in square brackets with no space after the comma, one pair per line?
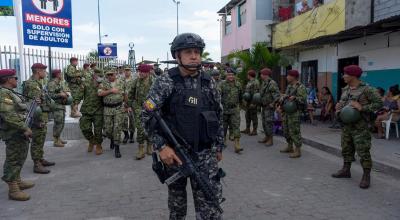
[8,101]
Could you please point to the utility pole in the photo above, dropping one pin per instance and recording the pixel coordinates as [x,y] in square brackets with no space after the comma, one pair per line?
[98,16]
[177,16]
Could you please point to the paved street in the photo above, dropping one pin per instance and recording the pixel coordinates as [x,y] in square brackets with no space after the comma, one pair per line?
[261,184]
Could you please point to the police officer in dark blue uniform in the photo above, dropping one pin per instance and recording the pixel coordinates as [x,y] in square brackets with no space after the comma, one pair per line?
[191,105]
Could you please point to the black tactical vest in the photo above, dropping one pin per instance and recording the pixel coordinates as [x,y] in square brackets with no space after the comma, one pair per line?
[191,112]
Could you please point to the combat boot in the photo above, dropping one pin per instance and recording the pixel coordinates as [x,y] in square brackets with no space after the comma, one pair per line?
[344,172]
[126,137]
[15,193]
[254,132]
[140,154]
[149,149]
[62,141]
[270,141]
[90,147]
[38,168]
[117,152]
[238,149]
[264,140]
[57,142]
[99,149]
[24,184]
[288,149]
[245,131]
[131,138]
[296,153]
[47,163]
[366,179]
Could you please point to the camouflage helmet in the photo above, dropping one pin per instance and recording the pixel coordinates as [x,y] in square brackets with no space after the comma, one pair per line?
[185,41]
[38,112]
[290,107]
[256,99]
[69,100]
[349,115]
[247,97]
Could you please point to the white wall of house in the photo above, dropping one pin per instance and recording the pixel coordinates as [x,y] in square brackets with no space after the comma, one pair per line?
[374,55]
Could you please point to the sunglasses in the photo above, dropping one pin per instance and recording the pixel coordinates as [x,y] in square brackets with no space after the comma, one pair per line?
[14,77]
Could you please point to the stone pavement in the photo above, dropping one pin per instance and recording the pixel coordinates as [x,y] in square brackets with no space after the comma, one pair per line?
[385,153]
[261,184]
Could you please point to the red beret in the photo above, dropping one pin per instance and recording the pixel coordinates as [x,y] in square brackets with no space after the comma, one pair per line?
[293,73]
[353,70]
[266,71]
[73,59]
[144,68]
[38,66]
[55,72]
[7,73]
[86,65]
[251,73]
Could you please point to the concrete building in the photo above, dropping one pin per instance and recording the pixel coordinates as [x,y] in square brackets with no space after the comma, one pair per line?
[243,23]
[323,40]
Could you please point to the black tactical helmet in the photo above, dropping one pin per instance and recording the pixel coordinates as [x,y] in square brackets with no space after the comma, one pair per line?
[187,40]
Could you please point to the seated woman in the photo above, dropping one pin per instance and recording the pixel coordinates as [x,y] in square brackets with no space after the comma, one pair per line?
[391,106]
[327,104]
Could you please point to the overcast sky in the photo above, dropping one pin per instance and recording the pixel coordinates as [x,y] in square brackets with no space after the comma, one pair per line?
[150,24]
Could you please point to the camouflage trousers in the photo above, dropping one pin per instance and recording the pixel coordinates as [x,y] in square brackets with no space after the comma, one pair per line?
[356,138]
[92,128]
[251,116]
[267,115]
[232,122]
[59,122]
[129,122]
[113,120]
[291,129]
[76,92]
[141,135]
[16,152]
[177,195]
[39,131]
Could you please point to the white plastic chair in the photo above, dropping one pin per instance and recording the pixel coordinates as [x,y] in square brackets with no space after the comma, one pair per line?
[387,124]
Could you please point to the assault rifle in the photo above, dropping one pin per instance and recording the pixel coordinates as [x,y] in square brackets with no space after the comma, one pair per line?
[187,169]
[31,113]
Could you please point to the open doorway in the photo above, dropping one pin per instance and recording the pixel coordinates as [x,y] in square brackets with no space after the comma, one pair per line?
[342,63]
[309,73]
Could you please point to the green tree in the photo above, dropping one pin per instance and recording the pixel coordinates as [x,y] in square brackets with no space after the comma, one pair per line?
[257,58]
[205,56]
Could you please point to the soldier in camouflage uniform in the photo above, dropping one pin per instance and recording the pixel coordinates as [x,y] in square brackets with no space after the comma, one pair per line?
[137,95]
[252,87]
[59,95]
[356,136]
[216,75]
[15,133]
[231,96]
[128,126]
[91,122]
[34,89]
[86,72]
[74,79]
[113,92]
[295,92]
[269,96]
[175,94]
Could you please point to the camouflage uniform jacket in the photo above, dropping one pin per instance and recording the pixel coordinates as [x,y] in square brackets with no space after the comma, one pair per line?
[113,99]
[73,75]
[12,114]
[34,89]
[299,91]
[367,96]
[55,88]
[161,91]
[252,87]
[138,92]
[231,96]
[87,75]
[269,93]
[92,103]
